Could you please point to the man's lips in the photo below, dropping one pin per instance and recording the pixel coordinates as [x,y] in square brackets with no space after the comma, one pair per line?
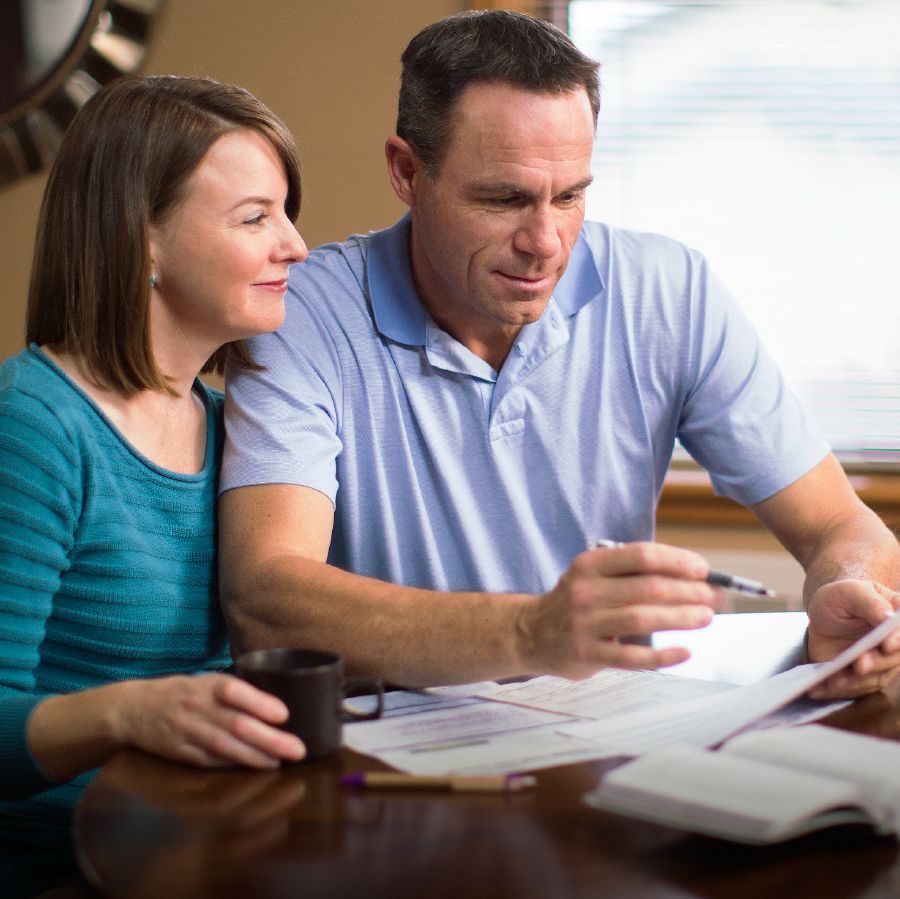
[527,282]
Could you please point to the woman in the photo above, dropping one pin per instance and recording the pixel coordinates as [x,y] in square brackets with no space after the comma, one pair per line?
[164,240]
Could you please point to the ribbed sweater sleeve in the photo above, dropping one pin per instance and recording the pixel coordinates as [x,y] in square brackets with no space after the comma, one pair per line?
[107,561]
[38,514]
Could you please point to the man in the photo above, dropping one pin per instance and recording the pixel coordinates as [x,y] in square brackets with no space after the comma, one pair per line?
[456,407]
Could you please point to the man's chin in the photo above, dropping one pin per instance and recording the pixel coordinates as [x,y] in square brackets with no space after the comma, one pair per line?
[523,310]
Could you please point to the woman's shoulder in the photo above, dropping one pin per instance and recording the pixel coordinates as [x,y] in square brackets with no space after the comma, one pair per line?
[38,454]
[43,411]
[29,380]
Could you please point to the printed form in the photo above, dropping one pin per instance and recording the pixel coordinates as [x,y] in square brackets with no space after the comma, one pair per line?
[501,728]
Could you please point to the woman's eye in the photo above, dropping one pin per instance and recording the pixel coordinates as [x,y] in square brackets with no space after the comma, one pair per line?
[255,219]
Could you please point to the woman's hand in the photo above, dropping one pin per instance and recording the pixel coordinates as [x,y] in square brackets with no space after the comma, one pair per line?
[209,720]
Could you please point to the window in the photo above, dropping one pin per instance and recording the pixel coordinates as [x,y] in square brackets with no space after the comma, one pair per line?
[767,135]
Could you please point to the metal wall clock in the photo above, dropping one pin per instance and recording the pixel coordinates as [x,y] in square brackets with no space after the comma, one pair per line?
[54,54]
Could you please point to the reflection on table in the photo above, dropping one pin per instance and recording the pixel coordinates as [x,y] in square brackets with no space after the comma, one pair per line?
[148,828]
[36,855]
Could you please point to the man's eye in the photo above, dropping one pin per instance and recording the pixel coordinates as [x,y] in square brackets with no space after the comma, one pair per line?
[569,199]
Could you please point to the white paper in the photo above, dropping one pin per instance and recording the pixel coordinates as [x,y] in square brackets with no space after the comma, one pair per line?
[609,692]
[469,736]
[499,753]
[767,646]
[500,728]
[432,731]
[799,711]
[708,720]
[490,728]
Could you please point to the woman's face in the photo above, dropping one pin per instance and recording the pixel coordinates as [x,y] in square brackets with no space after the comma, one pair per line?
[221,258]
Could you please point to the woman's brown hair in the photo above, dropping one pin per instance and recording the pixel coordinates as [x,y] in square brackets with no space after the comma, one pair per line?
[123,166]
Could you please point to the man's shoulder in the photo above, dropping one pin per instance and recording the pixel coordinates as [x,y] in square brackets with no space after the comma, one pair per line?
[327,286]
[353,285]
[627,257]
[337,261]
[352,257]
[614,241]
[332,279]
[607,257]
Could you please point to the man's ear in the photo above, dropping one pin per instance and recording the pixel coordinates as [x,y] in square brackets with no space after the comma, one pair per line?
[404,167]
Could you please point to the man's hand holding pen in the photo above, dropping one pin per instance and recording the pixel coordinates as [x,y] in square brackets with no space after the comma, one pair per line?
[614,592]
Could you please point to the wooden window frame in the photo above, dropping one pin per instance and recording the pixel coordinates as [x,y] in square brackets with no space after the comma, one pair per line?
[688,499]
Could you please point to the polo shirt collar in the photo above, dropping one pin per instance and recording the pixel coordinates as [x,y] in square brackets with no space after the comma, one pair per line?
[581,281]
[399,313]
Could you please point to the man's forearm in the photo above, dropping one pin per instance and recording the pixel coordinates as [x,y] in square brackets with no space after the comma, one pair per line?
[860,548]
[832,534]
[404,635]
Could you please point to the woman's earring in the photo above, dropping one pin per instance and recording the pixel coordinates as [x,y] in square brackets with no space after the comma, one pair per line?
[154,280]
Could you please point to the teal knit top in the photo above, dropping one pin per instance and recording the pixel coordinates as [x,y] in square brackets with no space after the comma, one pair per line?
[107,561]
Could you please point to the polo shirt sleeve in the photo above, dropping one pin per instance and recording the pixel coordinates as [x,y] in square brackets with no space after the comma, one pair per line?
[740,420]
[282,422]
[38,500]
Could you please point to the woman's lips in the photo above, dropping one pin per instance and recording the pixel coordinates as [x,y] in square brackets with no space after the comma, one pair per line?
[279,286]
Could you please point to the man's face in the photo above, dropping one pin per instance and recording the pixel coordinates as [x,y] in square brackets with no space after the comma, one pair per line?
[492,232]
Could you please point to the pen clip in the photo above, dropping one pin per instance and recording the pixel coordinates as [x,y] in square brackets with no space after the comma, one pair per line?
[594,543]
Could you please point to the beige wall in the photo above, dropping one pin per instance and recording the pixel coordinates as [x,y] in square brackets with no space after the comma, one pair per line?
[329,68]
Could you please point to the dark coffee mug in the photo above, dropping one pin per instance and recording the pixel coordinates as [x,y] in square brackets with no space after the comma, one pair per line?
[313,687]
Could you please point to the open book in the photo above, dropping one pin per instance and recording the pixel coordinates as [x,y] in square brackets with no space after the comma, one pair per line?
[763,786]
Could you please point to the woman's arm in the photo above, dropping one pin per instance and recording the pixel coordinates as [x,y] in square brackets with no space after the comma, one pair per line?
[208,720]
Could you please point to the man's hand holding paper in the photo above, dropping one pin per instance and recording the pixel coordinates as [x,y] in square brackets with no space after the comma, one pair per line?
[839,614]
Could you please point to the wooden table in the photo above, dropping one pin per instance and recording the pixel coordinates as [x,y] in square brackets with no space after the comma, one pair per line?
[148,828]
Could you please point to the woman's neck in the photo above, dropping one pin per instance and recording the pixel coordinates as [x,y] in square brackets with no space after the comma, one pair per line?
[167,428]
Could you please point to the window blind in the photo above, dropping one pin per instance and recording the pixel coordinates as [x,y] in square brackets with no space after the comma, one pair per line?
[767,135]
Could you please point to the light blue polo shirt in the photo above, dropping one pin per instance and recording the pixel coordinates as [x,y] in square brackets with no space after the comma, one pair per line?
[447,474]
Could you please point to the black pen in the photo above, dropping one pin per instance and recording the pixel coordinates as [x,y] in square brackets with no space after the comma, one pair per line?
[739,584]
[717,578]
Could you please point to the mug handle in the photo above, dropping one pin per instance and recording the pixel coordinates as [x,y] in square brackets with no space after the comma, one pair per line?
[363,686]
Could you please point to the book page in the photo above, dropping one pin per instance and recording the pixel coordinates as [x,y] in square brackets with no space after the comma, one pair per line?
[725,796]
[872,764]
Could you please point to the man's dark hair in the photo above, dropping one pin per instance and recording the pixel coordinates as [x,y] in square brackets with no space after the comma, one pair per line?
[482,46]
